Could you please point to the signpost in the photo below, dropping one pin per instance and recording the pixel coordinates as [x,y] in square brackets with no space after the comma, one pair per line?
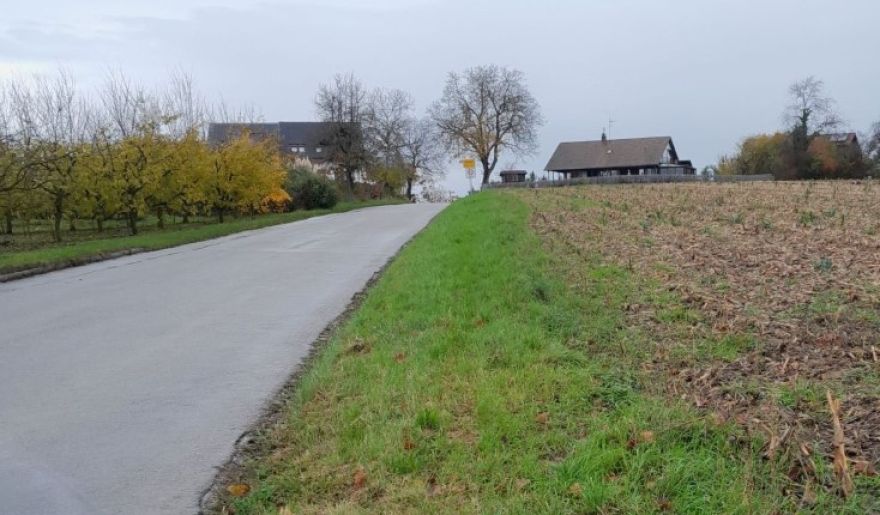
[470,167]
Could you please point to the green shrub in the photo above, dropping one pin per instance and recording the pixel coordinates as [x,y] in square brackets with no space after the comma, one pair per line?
[310,190]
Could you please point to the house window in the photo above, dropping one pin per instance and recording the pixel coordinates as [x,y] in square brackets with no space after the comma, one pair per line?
[319,150]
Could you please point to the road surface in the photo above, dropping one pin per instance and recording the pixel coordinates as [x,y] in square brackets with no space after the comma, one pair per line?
[123,384]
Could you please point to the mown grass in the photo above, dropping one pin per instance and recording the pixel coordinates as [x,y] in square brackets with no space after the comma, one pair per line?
[472,380]
[85,247]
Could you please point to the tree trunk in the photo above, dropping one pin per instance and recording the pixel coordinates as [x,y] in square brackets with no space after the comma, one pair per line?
[160,215]
[349,176]
[8,217]
[220,214]
[71,224]
[99,221]
[132,222]
[409,183]
[185,219]
[57,216]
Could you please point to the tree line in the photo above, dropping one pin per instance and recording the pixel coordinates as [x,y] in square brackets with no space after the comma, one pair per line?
[810,146]
[483,112]
[123,152]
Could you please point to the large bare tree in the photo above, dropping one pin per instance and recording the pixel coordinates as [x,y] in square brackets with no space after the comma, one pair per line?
[345,104]
[485,111]
[810,113]
[390,113]
[811,110]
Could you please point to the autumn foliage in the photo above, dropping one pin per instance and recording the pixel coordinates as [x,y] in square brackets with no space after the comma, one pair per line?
[123,155]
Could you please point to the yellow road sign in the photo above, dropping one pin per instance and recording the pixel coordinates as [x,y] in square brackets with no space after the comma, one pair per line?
[469,164]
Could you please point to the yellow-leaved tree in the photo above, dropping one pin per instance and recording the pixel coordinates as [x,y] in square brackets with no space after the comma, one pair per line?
[243,173]
[180,181]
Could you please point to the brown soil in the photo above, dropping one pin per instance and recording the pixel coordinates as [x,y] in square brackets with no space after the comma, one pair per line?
[795,267]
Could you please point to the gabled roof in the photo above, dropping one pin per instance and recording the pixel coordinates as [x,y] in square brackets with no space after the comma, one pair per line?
[842,137]
[513,172]
[603,155]
[222,132]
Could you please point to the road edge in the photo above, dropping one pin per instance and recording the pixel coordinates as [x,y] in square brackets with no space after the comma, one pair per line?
[245,446]
[25,273]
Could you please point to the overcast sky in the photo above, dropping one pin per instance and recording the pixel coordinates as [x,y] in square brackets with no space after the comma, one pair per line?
[706,72]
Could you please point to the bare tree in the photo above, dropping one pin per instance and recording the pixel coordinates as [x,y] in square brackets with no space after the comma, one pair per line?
[811,111]
[485,111]
[56,121]
[872,144]
[222,112]
[12,171]
[345,104]
[133,120]
[390,112]
[185,107]
[422,153]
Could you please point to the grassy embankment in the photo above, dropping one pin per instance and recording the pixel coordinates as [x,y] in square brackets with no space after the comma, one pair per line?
[484,375]
[86,244]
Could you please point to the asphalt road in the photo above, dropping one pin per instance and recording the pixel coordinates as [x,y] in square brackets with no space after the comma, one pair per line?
[123,384]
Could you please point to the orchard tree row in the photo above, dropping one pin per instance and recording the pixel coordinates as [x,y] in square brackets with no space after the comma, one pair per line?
[122,153]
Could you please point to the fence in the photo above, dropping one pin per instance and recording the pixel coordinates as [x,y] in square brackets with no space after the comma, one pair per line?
[631,179]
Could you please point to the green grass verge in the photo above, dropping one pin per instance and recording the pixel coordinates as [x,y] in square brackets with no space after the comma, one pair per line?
[465,383]
[173,236]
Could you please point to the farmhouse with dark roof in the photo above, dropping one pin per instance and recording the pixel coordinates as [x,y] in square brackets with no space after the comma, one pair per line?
[638,156]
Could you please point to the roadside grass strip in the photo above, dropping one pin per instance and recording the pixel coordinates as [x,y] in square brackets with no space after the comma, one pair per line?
[80,251]
[466,383]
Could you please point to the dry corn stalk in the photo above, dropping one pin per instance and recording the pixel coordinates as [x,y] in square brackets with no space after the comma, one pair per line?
[841,468]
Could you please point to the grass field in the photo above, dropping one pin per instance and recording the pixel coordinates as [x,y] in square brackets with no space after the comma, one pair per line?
[496,368]
[37,249]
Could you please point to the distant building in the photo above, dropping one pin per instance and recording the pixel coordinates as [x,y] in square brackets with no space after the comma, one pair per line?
[638,156]
[513,176]
[846,141]
[304,140]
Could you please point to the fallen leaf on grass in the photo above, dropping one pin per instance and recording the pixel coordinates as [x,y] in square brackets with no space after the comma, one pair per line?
[664,504]
[400,357]
[644,437]
[408,444]
[576,489]
[542,418]
[432,488]
[522,483]
[360,479]
[238,489]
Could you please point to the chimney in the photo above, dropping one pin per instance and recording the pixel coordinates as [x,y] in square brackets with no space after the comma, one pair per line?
[604,137]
